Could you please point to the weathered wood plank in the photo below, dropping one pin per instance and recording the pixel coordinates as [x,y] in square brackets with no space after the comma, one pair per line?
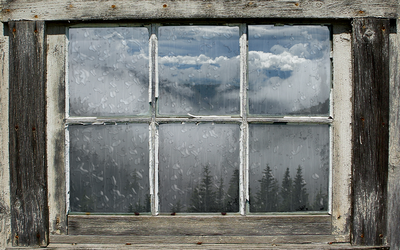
[5,218]
[199,225]
[393,211]
[27,132]
[99,239]
[151,9]
[215,246]
[370,130]
[55,92]
[341,134]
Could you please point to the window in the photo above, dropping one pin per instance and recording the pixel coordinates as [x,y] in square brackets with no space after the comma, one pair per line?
[199,119]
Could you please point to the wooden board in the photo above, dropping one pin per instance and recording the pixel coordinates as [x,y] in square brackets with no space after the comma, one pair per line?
[393,200]
[370,130]
[27,131]
[194,9]
[199,225]
[277,239]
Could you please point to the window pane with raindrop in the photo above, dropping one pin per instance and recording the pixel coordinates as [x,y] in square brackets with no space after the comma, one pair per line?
[289,168]
[108,71]
[109,168]
[199,168]
[289,70]
[198,70]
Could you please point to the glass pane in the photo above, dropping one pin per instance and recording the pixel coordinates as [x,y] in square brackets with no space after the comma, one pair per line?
[199,167]
[289,168]
[108,71]
[109,168]
[199,70]
[289,70]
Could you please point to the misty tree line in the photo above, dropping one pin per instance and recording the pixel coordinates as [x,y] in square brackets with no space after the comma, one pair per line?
[206,198]
[290,196]
[101,186]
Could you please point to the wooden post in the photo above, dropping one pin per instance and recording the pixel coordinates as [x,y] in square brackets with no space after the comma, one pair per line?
[27,131]
[370,130]
[393,210]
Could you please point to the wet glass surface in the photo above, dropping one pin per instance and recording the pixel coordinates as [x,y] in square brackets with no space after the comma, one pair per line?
[198,70]
[289,167]
[109,168]
[108,71]
[289,70]
[199,167]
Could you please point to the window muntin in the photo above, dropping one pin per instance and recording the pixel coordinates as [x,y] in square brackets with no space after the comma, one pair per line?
[158,185]
[289,70]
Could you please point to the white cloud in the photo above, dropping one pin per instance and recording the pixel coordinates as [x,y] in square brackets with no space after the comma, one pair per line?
[284,61]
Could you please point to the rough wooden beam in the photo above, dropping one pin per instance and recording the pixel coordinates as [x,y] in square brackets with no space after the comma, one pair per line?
[27,131]
[370,130]
[234,225]
[135,240]
[55,88]
[5,218]
[393,211]
[156,9]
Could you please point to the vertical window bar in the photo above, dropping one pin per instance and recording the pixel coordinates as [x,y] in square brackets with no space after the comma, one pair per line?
[153,139]
[66,74]
[151,64]
[331,96]
[67,168]
[243,183]
[156,205]
[330,168]
[155,44]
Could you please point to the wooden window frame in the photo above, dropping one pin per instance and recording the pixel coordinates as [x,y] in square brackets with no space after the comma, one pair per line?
[279,228]
[32,64]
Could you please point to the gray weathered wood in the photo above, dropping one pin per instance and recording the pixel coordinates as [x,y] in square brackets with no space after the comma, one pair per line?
[5,218]
[27,131]
[370,130]
[277,239]
[393,210]
[199,225]
[341,129]
[55,93]
[156,9]
[272,246]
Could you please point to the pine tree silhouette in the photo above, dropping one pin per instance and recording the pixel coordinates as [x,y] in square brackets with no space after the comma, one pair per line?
[286,192]
[267,196]
[232,196]
[203,196]
[220,204]
[177,207]
[300,195]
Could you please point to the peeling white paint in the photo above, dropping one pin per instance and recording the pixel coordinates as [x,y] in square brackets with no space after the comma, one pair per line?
[342,133]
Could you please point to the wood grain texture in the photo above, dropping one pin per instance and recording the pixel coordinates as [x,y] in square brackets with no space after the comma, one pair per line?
[393,210]
[199,225]
[193,9]
[5,217]
[27,131]
[370,130]
[272,246]
[55,92]
[276,239]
